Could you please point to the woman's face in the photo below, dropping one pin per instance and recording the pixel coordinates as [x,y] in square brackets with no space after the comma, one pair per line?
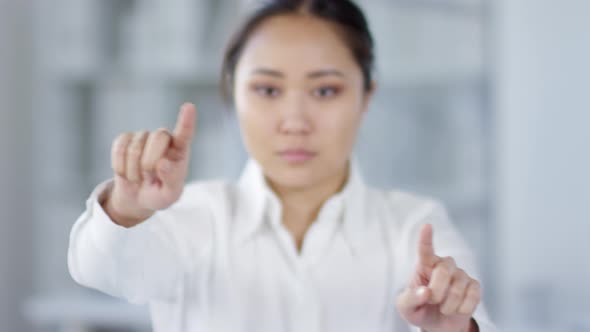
[300,100]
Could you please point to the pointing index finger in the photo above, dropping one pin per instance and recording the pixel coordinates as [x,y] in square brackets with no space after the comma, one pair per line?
[185,126]
[425,246]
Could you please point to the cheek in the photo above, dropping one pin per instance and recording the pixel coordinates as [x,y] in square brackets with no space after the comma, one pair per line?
[340,128]
[246,110]
[256,126]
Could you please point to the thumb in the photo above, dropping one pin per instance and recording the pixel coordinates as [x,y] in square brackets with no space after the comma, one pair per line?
[412,298]
[169,172]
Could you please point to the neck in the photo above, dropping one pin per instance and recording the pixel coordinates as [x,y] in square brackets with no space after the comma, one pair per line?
[301,206]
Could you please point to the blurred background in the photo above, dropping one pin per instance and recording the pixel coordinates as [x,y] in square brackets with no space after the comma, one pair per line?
[483,104]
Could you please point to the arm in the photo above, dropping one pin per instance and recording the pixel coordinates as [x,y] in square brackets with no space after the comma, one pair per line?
[154,229]
[139,263]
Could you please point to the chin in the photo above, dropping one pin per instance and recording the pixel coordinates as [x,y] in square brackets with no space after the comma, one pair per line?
[295,176]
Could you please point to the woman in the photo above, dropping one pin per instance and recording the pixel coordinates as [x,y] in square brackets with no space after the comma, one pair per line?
[299,243]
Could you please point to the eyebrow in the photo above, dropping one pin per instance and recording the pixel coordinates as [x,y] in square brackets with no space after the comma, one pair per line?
[325,72]
[312,75]
[268,72]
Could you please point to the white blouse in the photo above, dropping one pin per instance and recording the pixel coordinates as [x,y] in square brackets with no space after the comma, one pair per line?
[219,259]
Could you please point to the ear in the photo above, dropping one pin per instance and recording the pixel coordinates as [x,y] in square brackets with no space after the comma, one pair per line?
[368,95]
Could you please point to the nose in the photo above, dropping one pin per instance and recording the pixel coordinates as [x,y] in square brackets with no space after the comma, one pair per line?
[294,116]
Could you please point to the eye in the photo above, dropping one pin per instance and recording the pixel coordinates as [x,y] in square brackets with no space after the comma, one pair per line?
[266,91]
[325,92]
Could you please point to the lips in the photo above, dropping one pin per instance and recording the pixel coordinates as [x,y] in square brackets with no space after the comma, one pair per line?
[297,156]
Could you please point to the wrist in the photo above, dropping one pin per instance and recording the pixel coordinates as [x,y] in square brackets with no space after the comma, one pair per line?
[123,216]
[470,327]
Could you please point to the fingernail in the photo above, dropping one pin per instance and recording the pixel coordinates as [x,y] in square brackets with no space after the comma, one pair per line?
[421,291]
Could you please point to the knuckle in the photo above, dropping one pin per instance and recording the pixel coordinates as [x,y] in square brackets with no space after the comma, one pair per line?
[152,137]
[161,130]
[444,271]
[455,293]
[449,261]
[136,146]
[120,150]
[474,294]
[121,141]
[475,284]
[122,136]
[460,274]
[162,135]
[465,310]
[140,136]
[134,150]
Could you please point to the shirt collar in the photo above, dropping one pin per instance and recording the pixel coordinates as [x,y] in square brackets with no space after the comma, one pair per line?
[256,199]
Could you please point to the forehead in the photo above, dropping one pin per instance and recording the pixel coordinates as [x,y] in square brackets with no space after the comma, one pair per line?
[296,42]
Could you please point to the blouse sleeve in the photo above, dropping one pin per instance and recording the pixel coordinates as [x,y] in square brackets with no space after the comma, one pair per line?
[145,262]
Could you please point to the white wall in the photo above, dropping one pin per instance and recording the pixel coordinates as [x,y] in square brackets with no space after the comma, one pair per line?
[15,146]
[542,85]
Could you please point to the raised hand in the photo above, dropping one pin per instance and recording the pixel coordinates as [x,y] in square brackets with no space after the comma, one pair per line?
[150,169]
[440,297]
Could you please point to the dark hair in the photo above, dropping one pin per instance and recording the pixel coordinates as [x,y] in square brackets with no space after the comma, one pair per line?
[345,13]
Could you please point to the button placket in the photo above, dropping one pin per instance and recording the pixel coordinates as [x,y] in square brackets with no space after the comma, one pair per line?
[308,305]
[320,234]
